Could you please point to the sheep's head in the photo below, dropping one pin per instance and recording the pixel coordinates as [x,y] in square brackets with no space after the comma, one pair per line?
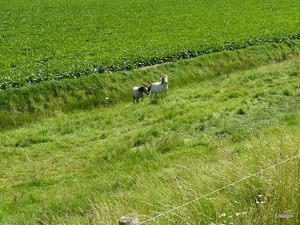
[145,89]
[164,79]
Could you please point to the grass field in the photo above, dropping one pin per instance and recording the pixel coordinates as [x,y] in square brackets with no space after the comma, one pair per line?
[94,166]
[53,40]
[74,149]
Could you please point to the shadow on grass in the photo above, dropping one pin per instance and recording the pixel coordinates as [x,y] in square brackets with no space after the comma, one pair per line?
[154,102]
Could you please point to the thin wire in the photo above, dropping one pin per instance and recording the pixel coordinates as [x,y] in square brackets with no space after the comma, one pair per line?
[220,189]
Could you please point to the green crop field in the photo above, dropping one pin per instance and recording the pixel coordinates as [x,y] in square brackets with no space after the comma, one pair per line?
[222,148]
[47,40]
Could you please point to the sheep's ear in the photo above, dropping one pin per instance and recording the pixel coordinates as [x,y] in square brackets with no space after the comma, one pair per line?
[141,88]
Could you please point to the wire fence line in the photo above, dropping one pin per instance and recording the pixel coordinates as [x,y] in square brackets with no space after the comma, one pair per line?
[220,189]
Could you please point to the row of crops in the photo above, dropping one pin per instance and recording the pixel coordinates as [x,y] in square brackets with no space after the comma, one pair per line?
[52,40]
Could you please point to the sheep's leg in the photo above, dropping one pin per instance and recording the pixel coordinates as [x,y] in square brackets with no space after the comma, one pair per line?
[154,95]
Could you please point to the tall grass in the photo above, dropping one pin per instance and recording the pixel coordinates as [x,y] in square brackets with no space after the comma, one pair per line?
[96,165]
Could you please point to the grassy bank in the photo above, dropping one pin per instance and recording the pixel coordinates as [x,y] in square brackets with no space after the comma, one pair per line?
[33,103]
[227,115]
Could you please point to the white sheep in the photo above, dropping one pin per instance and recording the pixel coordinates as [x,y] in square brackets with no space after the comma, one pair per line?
[159,87]
[138,92]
